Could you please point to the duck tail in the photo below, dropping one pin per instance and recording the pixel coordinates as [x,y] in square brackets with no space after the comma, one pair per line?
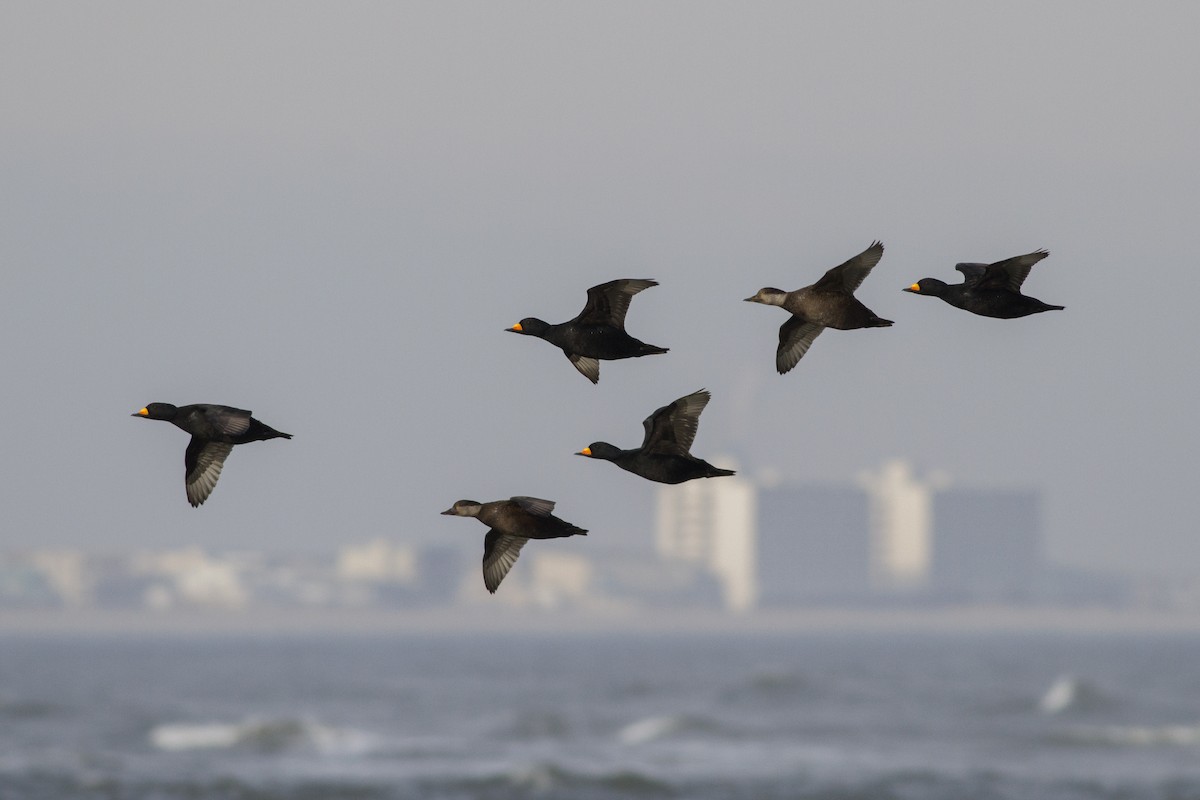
[879,322]
[653,350]
[263,432]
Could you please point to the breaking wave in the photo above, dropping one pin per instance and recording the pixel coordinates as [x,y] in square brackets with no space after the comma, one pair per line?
[666,726]
[1072,693]
[261,735]
[1134,735]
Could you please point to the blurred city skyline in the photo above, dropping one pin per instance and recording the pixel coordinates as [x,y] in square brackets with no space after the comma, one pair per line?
[891,541]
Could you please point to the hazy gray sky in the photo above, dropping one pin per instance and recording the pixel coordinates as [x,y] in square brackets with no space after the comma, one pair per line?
[328,213]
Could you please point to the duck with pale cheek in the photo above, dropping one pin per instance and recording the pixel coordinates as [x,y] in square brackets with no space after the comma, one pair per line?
[215,430]
[828,303]
[598,332]
[511,524]
[990,290]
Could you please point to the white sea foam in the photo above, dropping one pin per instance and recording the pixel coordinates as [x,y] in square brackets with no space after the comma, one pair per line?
[261,734]
[203,736]
[1059,696]
[1072,693]
[1138,735]
[660,727]
[546,777]
[650,729]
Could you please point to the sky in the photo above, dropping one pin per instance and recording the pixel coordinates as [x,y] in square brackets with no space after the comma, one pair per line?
[328,214]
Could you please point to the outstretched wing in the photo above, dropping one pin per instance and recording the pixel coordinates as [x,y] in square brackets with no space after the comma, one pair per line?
[795,337]
[1011,272]
[534,505]
[849,276]
[500,552]
[672,428]
[608,302]
[202,467]
[972,272]
[588,367]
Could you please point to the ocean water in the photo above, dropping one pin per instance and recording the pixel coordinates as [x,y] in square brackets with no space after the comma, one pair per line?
[823,717]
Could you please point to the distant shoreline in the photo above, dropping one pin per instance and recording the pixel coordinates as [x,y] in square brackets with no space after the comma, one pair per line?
[500,619]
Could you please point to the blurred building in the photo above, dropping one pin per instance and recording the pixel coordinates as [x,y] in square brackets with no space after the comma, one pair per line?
[630,579]
[721,543]
[385,574]
[986,545]
[24,585]
[191,577]
[67,573]
[560,578]
[813,545]
[377,561]
[892,535]
[901,517]
[710,523]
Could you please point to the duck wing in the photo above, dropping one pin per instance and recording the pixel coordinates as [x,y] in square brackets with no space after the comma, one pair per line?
[534,505]
[1011,272]
[588,367]
[972,272]
[795,337]
[672,428]
[500,552]
[202,467]
[849,276]
[608,302]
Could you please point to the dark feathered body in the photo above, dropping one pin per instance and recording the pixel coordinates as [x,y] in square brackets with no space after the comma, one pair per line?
[990,290]
[215,429]
[604,342]
[215,423]
[598,332]
[998,303]
[664,455]
[828,303]
[845,312]
[511,523]
[515,519]
[659,467]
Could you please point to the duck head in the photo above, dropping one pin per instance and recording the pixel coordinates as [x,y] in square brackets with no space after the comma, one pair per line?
[530,326]
[601,450]
[464,508]
[768,296]
[929,286]
[157,411]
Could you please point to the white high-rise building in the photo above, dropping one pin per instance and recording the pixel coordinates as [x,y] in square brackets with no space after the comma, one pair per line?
[901,520]
[710,523]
